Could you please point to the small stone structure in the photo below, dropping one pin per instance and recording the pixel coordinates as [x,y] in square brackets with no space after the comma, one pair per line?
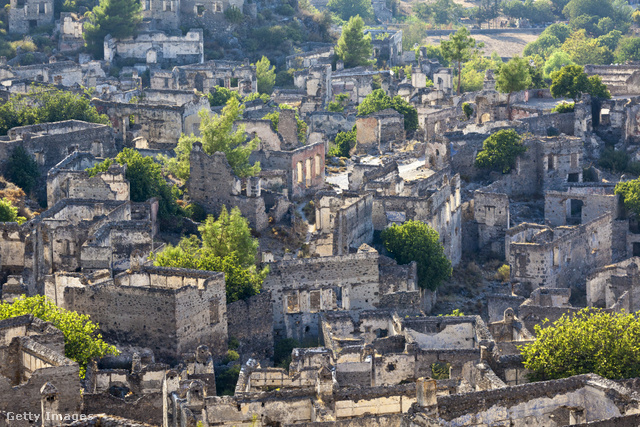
[377,132]
[204,77]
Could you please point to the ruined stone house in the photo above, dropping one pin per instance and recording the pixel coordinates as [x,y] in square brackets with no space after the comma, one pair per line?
[157,47]
[169,310]
[25,15]
[205,76]
[156,124]
[377,132]
[71,32]
[35,375]
[351,282]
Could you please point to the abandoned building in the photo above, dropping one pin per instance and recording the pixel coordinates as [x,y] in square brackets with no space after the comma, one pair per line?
[159,48]
[236,76]
[25,15]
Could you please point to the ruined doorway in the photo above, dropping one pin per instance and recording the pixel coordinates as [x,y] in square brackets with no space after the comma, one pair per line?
[636,248]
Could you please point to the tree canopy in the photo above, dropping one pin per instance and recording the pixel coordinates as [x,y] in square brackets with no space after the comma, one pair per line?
[266,75]
[584,50]
[354,48]
[417,241]
[217,134]
[347,9]
[226,246]
[43,105]
[571,81]
[82,341]
[378,100]
[590,341]
[119,18]
[628,49]
[513,77]
[345,141]
[145,180]
[458,49]
[500,150]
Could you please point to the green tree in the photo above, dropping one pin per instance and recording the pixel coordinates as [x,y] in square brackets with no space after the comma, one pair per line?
[413,34]
[543,45]
[556,61]
[500,150]
[43,105]
[599,8]
[628,50]
[354,48]
[630,193]
[514,76]
[458,49]
[82,341]
[228,234]
[571,82]
[119,18]
[217,134]
[22,169]
[590,341]
[9,213]
[266,75]
[344,143]
[226,246]
[145,180]
[610,40]
[347,9]
[417,241]
[584,50]
[220,96]
[378,100]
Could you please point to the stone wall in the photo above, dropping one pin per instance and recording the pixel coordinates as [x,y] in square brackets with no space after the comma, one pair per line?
[213,184]
[491,212]
[561,257]
[157,48]
[29,14]
[376,132]
[171,311]
[579,205]
[330,123]
[250,321]
[50,143]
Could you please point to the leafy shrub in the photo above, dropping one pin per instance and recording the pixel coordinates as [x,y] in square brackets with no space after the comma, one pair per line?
[196,212]
[231,356]
[589,341]
[504,273]
[614,160]
[9,213]
[467,109]
[234,15]
[285,10]
[500,150]
[226,380]
[233,344]
[564,107]
[282,352]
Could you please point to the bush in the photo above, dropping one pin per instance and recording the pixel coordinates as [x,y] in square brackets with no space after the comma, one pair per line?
[614,160]
[500,150]
[344,143]
[234,344]
[504,273]
[231,356]
[282,352]
[9,213]
[285,10]
[196,212]
[467,109]
[419,242]
[590,341]
[234,15]
[226,380]
[564,107]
